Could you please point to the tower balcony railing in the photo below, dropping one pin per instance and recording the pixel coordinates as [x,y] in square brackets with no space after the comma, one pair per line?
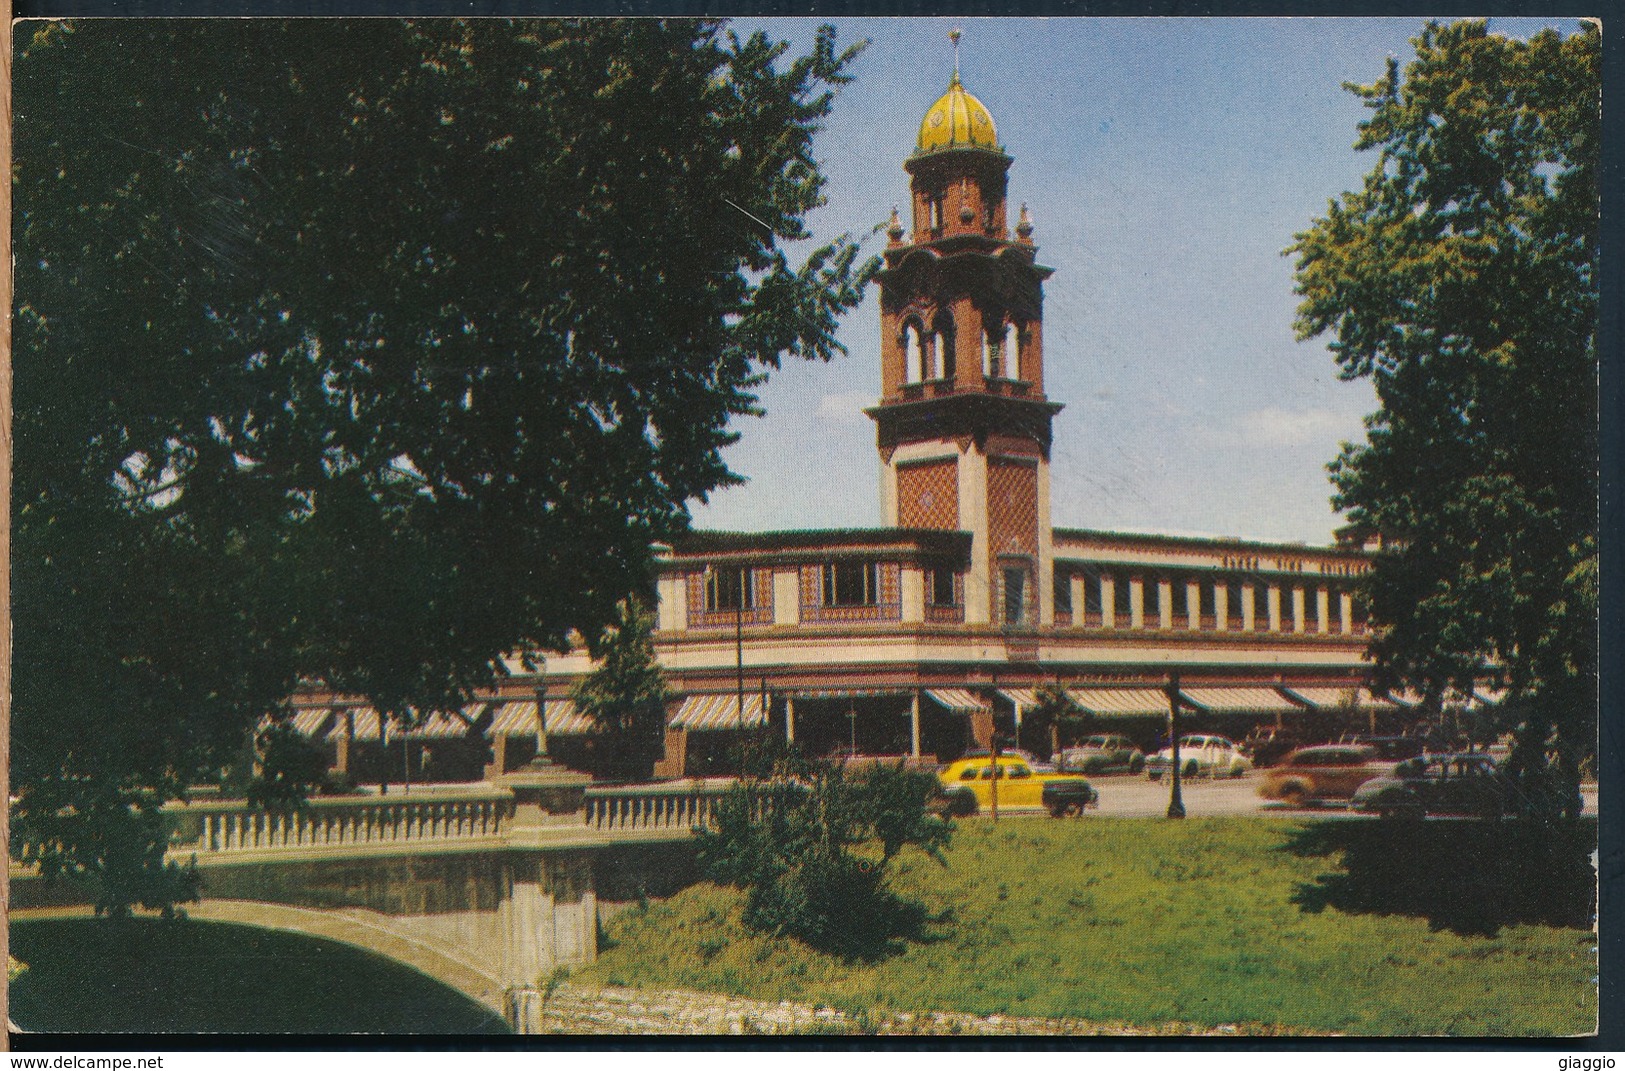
[1007,388]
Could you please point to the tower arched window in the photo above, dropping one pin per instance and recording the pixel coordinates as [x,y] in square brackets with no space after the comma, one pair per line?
[995,355]
[1012,350]
[943,339]
[915,366]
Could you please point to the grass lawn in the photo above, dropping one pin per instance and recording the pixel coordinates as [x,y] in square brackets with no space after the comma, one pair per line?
[1357,927]
[145,976]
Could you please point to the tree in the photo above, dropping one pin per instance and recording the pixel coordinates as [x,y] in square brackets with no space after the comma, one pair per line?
[365,356]
[625,697]
[801,838]
[1462,281]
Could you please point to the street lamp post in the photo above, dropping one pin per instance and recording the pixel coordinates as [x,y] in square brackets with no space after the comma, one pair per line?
[1176,804]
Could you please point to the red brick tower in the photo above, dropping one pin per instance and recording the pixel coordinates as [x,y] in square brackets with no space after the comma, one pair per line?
[963,425]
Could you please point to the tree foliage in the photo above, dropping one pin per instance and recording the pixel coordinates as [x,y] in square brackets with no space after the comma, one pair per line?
[367,354]
[1461,280]
[625,696]
[811,844]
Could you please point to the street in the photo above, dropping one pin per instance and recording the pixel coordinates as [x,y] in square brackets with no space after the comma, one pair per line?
[1128,796]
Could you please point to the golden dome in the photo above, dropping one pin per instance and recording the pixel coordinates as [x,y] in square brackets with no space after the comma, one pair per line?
[957,121]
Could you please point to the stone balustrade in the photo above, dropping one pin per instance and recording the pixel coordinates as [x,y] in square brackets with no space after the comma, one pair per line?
[440,815]
[650,809]
[437,816]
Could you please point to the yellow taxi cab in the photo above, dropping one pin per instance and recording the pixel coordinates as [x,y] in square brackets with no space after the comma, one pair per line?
[968,786]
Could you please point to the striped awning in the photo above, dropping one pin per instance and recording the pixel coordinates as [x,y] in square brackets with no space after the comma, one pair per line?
[1020,698]
[309,721]
[722,711]
[1237,699]
[517,717]
[1334,698]
[957,700]
[438,726]
[844,693]
[1121,702]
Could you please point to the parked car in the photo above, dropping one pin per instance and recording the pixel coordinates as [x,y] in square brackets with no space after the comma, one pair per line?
[1269,744]
[1323,772]
[968,786]
[1038,765]
[1102,754]
[1215,756]
[1391,748]
[1469,783]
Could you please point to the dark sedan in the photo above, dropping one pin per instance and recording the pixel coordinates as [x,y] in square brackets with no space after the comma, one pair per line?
[1469,784]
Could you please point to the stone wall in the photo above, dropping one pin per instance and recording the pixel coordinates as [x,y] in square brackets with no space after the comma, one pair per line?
[581,1009]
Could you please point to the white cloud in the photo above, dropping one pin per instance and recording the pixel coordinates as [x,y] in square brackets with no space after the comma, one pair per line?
[1273,426]
[846,407]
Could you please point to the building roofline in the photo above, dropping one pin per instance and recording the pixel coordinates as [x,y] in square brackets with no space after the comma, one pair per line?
[1209,541]
[703,541]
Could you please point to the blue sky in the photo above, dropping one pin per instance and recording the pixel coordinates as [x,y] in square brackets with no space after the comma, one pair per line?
[1166,164]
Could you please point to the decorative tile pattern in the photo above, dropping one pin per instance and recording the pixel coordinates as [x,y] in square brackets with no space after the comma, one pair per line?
[928,495]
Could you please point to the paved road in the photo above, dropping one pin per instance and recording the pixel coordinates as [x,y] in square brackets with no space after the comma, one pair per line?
[1125,796]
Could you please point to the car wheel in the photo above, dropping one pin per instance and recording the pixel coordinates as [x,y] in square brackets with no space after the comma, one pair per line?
[1192,768]
[1294,795]
[1073,809]
[1136,764]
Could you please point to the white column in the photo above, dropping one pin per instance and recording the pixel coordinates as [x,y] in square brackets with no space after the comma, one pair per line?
[979,591]
[1221,606]
[673,593]
[1193,605]
[913,592]
[914,725]
[786,597]
[1136,603]
[1323,609]
[1165,604]
[1108,602]
[789,719]
[1046,543]
[1249,607]
[1345,612]
[1297,609]
[1272,600]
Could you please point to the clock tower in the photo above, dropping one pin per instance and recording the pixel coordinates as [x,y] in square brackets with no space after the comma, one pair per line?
[963,426]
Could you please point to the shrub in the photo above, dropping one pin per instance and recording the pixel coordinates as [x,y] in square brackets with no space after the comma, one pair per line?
[811,845]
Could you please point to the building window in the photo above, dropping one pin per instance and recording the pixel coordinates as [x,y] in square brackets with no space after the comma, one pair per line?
[1015,595]
[1233,596]
[1012,351]
[914,354]
[941,587]
[943,334]
[852,584]
[993,352]
[1122,598]
[933,210]
[1092,603]
[1063,592]
[729,589]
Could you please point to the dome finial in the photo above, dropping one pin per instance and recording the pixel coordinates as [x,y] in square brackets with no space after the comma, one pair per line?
[954,35]
[894,229]
[1024,226]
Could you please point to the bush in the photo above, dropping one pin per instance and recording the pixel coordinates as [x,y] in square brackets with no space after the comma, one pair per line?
[811,845]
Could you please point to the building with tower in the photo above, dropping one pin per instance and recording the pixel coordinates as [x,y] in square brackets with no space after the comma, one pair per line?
[926,634]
